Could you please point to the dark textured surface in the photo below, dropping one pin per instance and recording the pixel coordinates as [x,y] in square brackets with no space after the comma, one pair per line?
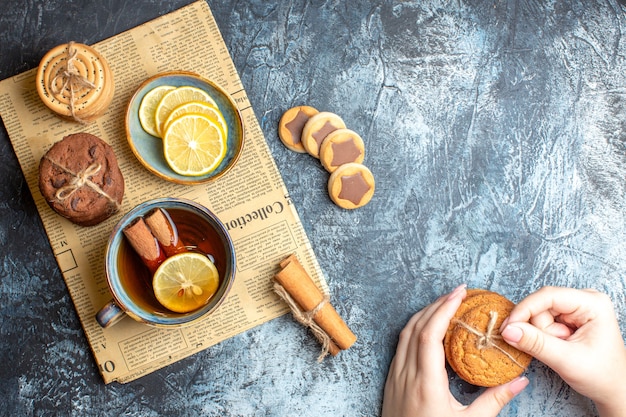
[494,130]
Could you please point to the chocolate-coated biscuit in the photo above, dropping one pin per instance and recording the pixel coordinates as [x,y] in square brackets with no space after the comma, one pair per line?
[291,124]
[341,147]
[80,179]
[351,185]
[473,345]
[317,128]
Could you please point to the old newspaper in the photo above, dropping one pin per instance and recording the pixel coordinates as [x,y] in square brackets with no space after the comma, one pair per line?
[251,199]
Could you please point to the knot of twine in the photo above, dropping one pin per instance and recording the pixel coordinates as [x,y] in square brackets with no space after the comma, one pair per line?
[306,318]
[72,80]
[486,339]
[80,179]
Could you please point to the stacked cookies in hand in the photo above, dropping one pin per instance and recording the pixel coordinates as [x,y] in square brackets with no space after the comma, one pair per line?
[473,345]
[341,151]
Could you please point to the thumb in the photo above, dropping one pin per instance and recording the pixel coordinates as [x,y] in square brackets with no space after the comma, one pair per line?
[527,338]
[493,400]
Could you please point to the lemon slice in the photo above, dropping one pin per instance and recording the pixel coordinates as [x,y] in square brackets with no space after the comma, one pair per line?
[175,98]
[193,145]
[211,111]
[185,282]
[148,105]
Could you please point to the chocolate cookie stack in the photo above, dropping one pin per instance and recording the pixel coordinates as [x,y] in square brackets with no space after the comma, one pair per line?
[75,81]
[80,179]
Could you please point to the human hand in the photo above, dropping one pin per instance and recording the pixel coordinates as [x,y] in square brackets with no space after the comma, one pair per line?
[417,383]
[574,332]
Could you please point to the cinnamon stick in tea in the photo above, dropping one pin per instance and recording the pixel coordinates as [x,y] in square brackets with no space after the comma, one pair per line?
[144,243]
[295,280]
[164,229]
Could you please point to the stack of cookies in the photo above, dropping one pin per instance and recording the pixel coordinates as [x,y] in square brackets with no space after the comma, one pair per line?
[80,179]
[340,150]
[75,81]
[473,345]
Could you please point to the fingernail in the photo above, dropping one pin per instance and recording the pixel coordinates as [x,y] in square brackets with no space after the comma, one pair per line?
[517,385]
[512,333]
[457,291]
[504,324]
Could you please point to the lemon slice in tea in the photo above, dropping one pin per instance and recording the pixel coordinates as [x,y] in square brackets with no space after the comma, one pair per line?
[175,98]
[193,145]
[148,105]
[185,282]
[211,111]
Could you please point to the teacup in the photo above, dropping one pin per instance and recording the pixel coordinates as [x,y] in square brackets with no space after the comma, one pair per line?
[129,280]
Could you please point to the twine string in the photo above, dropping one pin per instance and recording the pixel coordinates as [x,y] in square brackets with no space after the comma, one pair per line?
[79,179]
[486,339]
[71,80]
[306,318]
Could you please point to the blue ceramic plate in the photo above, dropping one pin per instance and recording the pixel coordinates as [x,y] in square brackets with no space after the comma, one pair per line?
[149,149]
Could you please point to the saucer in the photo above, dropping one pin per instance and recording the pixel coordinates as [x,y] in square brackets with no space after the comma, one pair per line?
[149,149]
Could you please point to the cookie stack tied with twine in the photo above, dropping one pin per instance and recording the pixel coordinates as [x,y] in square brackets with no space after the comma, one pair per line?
[75,82]
[473,345]
[80,179]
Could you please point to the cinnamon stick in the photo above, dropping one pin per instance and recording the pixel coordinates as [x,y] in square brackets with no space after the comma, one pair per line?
[144,243]
[164,229]
[295,280]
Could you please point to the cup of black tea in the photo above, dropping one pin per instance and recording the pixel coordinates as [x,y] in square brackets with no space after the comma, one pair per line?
[160,231]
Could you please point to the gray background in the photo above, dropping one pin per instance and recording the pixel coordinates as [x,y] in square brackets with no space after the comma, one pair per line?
[495,132]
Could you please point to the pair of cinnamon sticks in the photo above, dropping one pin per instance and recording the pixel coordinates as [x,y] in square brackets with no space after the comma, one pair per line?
[312,308]
[154,237]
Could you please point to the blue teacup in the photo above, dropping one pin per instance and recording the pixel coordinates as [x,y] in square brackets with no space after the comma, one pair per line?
[130,281]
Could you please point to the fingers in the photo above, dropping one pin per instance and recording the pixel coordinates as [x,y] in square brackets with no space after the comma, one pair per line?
[493,400]
[408,343]
[417,383]
[559,312]
[548,349]
[548,324]
[431,356]
[559,330]
[554,301]
[406,334]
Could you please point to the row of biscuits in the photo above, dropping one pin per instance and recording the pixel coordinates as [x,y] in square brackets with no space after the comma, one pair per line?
[340,150]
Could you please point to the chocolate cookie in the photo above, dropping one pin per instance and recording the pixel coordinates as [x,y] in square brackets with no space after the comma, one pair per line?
[80,179]
[351,185]
[291,124]
[341,147]
[317,128]
[473,345]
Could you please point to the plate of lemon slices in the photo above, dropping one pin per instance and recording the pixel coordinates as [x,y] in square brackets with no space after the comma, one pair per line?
[184,128]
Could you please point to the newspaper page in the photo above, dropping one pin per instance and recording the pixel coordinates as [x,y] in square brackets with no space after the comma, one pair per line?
[251,200]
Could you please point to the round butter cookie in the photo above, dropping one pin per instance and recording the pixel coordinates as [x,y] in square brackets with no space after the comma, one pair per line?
[341,147]
[291,124]
[80,179]
[317,128]
[473,345]
[351,185]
